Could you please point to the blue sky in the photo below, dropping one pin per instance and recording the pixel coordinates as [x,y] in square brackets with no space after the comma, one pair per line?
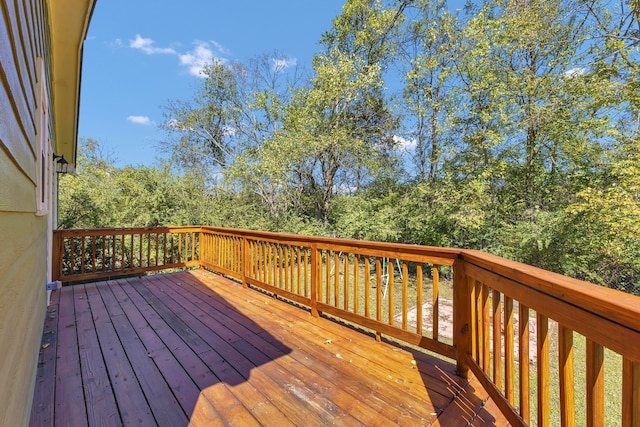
[141,53]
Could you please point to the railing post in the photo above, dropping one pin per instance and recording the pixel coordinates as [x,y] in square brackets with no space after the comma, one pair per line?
[244,264]
[315,279]
[461,317]
[57,256]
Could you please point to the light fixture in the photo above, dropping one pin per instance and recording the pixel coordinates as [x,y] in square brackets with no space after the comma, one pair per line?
[62,164]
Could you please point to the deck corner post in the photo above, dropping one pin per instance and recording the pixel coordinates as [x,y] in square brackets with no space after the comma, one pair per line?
[57,256]
[461,317]
[244,262]
[315,279]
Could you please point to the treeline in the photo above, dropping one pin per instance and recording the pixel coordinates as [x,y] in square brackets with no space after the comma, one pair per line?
[507,126]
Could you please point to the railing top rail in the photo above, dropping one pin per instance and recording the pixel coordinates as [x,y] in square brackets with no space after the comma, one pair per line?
[399,248]
[123,230]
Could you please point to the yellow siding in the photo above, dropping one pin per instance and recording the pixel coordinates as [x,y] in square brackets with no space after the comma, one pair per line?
[22,310]
[23,235]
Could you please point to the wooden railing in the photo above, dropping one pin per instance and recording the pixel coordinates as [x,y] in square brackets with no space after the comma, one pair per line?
[539,342]
[566,330]
[388,288]
[101,253]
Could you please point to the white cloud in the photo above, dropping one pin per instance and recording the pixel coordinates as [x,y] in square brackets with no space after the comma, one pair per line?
[147,46]
[139,120]
[280,64]
[194,60]
[197,59]
[404,143]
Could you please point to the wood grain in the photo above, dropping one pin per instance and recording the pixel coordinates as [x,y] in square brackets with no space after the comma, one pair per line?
[234,356]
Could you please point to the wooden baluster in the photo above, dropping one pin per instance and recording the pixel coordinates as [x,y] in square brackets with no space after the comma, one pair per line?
[157,248]
[405,296]
[237,254]
[164,249]
[367,286]
[478,321]
[73,255]
[523,362]
[122,251]
[315,279]
[565,367]
[542,325]
[336,277]
[271,270]
[391,292]
[263,262]
[345,268]
[419,286]
[224,261]
[485,322]
[93,253]
[235,248]
[306,273]
[254,259]
[257,263]
[435,301]
[327,293]
[595,384]
[274,264]
[356,284]
[291,266]
[280,271]
[378,290]
[180,248]
[82,253]
[193,246]
[496,298]
[302,290]
[104,253]
[630,393]
[148,236]
[113,252]
[509,363]
[285,261]
[246,262]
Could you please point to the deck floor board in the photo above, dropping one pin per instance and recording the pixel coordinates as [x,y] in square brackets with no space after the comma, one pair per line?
[194,348]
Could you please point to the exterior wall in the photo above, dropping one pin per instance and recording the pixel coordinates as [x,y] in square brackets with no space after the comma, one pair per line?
[24,37]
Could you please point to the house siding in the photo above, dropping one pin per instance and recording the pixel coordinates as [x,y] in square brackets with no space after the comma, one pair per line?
[23,241]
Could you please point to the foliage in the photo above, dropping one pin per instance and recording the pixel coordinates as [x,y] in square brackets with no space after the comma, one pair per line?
[508,126]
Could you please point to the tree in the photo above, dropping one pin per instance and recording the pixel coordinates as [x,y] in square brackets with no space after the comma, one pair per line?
[340,126]
[201,130]
[87,198]
[428,52]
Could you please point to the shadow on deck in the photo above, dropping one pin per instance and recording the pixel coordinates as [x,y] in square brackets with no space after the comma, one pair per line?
[196,348]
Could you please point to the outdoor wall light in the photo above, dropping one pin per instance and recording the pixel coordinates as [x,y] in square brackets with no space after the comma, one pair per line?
[62,164]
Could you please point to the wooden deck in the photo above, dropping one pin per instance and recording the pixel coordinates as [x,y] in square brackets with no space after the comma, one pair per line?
[194,348]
